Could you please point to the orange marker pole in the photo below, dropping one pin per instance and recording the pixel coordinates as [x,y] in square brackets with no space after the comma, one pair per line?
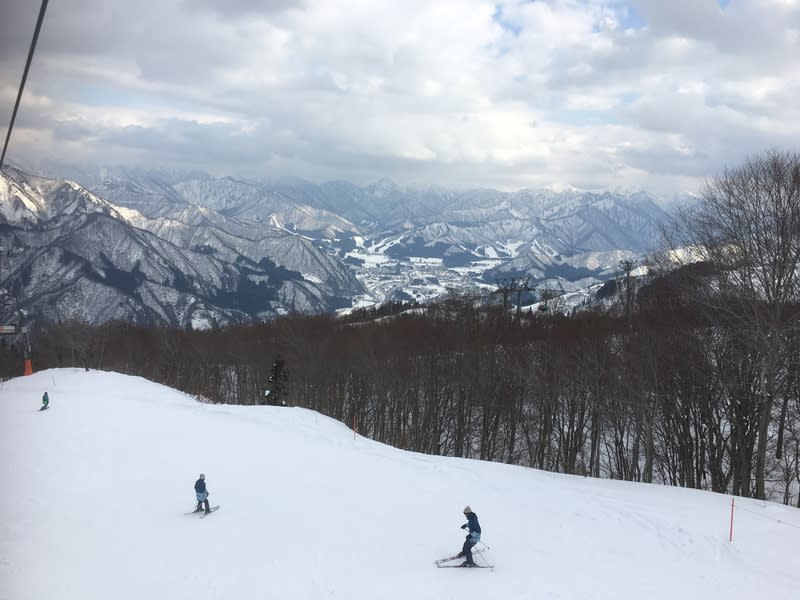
[28,367]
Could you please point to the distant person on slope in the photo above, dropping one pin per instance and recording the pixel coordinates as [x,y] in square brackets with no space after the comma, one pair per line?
[202,493]
[473,537]
[45,402]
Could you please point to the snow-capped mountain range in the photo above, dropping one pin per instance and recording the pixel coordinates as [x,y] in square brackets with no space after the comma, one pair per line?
[191,250]
[71,254]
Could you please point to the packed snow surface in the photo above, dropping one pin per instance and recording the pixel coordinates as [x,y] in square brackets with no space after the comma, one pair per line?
[95,489]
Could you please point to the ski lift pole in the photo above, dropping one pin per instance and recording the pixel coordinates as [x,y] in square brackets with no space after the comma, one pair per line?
[26,341]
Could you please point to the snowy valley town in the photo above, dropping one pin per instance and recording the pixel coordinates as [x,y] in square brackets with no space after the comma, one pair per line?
[400,300]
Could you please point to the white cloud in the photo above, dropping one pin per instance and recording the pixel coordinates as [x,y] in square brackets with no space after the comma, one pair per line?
[457,92]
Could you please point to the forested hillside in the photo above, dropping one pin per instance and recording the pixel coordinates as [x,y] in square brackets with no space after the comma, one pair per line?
[665,396]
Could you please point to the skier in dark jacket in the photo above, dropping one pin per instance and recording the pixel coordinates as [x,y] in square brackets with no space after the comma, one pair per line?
[473,537]
[202,493]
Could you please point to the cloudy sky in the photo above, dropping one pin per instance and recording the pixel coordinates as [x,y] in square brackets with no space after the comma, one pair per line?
[653,94]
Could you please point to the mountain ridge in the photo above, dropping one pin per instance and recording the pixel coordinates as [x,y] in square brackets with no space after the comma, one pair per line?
[217,270]
[315,248]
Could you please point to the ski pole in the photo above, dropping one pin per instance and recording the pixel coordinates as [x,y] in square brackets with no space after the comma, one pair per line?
[482,542]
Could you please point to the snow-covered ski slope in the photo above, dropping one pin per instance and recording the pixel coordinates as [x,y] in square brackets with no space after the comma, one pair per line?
[95,489]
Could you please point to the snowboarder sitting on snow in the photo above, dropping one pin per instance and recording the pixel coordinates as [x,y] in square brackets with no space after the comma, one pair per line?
[202,493]
[45,401]
[473,537]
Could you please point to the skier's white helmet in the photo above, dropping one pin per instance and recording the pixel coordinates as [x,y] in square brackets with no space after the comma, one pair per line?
[202,475]
[467,509]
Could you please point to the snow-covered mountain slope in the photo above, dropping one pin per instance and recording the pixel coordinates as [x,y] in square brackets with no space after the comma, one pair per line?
[161,196]
[69,254]
[247,201]
[553,238]
[570,221]
[96,487]
[27,200]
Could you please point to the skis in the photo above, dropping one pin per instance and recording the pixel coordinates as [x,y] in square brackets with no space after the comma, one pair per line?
[201,512]
[448,559]
[441,562]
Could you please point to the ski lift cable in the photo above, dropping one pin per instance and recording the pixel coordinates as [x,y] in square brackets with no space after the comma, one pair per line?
[24,78]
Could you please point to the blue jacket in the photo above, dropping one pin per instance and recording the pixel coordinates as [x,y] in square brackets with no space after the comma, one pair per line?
[200,486]
[472,523]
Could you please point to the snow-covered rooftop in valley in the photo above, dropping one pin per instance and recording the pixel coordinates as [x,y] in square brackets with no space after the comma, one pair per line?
[95,489]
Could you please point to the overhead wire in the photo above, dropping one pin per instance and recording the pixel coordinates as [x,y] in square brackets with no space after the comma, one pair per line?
[24,78]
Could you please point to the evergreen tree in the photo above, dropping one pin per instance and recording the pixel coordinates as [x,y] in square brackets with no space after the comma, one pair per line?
[276,394]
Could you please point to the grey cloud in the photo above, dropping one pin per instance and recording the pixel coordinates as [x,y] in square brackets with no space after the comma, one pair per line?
[173,139]
[17,22]
[666,160]
[690,18]
[700,123]
[66,131]
[259,87]
[166,44]
[243,8]
[740,28]
[78,27]
[221,149]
